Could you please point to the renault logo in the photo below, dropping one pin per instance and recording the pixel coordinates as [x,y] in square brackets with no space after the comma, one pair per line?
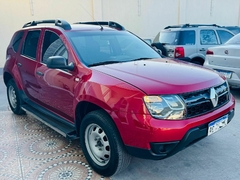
[213,97]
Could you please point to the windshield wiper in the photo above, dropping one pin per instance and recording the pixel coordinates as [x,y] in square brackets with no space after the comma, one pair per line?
[104,63]
[112,62]
[142,58]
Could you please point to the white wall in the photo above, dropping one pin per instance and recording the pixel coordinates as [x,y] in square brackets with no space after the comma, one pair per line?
[146,17]
[15,13]
[143,17]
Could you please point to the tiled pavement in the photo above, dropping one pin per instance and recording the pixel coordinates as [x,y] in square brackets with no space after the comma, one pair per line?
[30,150]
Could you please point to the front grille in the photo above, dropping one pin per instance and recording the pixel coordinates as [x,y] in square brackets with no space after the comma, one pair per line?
[199,102]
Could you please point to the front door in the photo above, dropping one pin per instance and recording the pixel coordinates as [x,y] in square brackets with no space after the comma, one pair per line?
[57,86]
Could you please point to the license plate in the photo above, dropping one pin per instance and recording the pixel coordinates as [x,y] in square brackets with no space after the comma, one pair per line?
[227,74]
[218,124]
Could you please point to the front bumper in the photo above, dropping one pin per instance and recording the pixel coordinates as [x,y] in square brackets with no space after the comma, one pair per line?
[166,149]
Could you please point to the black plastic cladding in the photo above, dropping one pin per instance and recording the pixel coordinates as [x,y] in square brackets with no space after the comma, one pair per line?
[199,102]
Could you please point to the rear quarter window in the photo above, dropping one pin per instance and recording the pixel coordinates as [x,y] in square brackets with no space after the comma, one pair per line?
[187,38]
[169,37]
[16,40]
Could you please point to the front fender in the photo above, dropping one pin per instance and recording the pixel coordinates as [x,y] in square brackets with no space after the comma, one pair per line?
[115,97]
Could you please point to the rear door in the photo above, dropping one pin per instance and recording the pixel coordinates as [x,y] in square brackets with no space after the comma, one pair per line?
[27,62]
[207,38]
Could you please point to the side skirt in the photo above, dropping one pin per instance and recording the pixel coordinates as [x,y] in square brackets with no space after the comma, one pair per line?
[57,123]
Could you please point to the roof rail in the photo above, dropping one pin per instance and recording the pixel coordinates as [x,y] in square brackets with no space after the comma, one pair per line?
[61,23]
[175,26]
[104,23]
[190,25]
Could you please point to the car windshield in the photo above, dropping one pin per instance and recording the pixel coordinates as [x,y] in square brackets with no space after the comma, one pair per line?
[105,47]
[234,40]
[168,37]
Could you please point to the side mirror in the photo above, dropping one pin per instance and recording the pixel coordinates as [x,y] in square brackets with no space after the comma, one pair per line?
[59,62]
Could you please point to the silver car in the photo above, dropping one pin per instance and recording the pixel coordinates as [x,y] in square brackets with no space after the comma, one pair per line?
[189,42]
[226,60]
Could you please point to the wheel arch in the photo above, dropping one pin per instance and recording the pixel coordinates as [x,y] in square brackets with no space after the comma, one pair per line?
[6,77]
[197,59]
[16,77]
[83,108]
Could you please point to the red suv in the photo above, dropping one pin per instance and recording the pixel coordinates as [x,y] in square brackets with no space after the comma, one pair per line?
[100,83]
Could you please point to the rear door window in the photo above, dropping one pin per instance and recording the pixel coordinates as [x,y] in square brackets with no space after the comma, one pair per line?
[30,44]
[208,37]
[224,36]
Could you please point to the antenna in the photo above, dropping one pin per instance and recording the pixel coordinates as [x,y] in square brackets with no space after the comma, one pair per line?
[92,17]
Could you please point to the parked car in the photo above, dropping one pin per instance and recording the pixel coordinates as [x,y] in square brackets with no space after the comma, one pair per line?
[189,42]
[233,29]
[225,59]
[102,84]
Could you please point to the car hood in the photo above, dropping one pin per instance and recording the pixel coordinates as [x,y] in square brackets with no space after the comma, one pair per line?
[162,76]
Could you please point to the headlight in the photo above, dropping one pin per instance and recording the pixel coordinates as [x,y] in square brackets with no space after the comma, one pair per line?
[165,107]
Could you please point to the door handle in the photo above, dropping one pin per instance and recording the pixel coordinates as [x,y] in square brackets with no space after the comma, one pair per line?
[39,73]
[19,64]
[202,49]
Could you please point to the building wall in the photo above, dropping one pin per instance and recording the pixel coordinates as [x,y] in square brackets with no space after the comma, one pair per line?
[145,18]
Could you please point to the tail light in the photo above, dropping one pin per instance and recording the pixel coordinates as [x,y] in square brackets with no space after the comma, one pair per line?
[209,52]
[179,52]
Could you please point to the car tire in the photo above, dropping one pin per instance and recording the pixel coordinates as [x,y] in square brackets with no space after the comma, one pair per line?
[14,99]
[101,144]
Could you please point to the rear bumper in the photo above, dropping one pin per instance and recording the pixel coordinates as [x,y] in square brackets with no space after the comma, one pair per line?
[162,150]
[235,78]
